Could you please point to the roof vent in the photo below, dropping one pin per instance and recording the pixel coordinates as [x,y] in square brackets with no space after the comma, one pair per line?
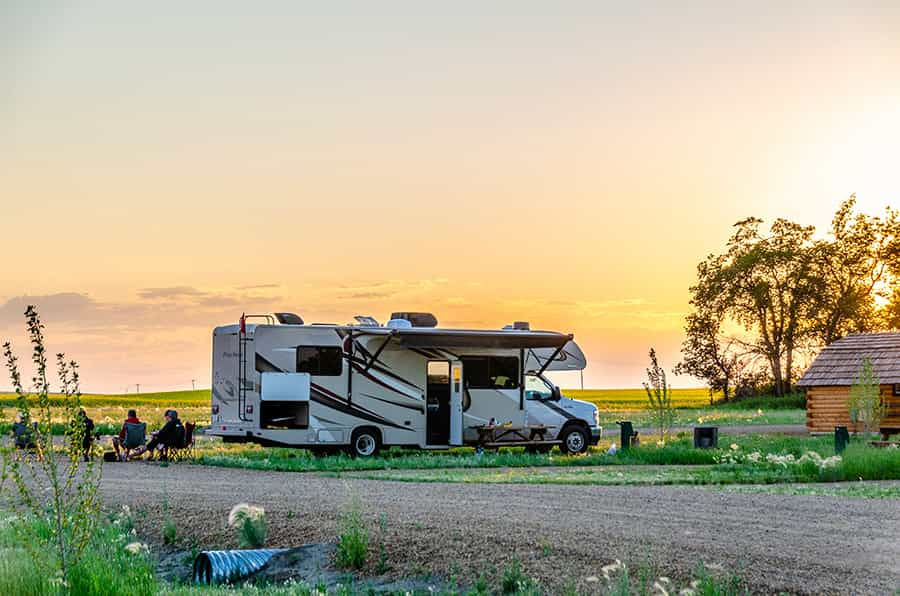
[398,324]
[416,319]
[288,318]
[518,326]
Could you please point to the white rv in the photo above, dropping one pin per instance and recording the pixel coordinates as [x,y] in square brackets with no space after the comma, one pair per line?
[364,386]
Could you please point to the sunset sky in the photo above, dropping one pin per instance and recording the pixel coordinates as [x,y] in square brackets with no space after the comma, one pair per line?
[165,166]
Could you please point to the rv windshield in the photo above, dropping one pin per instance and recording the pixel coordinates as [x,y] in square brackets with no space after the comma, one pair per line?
[537,388]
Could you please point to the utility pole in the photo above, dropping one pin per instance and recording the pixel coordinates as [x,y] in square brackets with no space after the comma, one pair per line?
[194,384]
[138,385]
[581,372]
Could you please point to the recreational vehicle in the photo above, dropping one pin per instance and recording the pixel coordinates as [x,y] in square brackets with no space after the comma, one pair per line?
[364,386]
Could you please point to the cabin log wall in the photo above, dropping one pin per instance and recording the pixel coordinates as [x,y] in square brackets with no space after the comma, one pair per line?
[826,407]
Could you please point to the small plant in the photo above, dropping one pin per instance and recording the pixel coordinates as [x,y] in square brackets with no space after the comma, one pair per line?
[546,549]
[353,542]
[865,403]
[249,521]
[660,396]
[382,566]
[53,485]
[169,532]
[514,580]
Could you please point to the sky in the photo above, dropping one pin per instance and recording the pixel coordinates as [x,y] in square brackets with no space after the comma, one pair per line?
[166,166]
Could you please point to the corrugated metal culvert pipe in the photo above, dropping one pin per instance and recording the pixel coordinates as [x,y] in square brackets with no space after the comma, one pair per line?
[218,566]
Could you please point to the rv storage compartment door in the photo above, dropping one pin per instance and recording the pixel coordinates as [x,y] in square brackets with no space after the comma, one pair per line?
[278,386]
[284,400]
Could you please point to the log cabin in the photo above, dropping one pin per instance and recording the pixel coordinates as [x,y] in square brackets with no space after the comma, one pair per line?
[836,369]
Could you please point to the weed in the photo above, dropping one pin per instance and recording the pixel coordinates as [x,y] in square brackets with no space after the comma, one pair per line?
[514,581]
[353,542]
[382,566]
[546,549]
[249,521]
[169,532]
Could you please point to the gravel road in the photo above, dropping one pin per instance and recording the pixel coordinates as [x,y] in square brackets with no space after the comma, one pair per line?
[806,545]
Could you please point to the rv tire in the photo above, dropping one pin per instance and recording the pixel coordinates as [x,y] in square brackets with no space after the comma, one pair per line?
[365,442]
[574,439]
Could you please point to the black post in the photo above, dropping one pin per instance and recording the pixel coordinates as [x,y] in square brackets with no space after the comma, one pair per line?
[841,438]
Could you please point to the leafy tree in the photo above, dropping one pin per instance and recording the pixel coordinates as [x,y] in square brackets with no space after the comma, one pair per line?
[660,396]
[854,265]
[767,283]
[710,355]
[865,402]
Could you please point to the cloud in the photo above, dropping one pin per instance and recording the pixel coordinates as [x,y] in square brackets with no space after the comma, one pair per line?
[63,305]
[259,287]
[366,296]
[170,292]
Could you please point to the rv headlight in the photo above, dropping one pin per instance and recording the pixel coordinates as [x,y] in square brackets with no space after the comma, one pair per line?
[596,416]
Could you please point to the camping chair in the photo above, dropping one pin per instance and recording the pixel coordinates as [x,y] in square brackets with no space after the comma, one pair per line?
[186,450]
[135,436]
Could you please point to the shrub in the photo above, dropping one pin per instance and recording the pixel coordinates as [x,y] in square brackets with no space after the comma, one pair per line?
[353,542]
[660,396]
[250,523]
[54,487]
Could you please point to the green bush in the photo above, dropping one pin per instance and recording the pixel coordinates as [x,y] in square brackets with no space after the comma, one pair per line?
[353,542]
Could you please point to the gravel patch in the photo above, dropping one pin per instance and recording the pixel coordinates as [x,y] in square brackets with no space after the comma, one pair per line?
[778,543]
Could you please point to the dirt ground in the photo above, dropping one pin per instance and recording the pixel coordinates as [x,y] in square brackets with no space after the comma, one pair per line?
[796,544]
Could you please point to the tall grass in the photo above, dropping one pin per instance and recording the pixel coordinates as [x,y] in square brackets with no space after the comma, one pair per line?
[105,568]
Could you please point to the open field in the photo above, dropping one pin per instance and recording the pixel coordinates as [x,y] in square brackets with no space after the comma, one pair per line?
[109,410]
[692,407]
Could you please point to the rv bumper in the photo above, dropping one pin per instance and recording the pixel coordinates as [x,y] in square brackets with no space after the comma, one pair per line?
[596,433]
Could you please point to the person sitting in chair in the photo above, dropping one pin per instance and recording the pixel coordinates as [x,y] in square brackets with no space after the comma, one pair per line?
[170,435]
[131,436]
[24,433]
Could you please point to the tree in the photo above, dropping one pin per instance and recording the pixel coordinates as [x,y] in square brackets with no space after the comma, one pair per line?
[865,403]
[767,283]
[708,354]
[660,396]
[854,266]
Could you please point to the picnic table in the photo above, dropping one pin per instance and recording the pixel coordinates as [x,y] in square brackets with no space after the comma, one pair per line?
[509,435]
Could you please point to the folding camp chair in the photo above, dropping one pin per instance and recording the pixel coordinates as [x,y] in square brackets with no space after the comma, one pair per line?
[135,436]
[186,450]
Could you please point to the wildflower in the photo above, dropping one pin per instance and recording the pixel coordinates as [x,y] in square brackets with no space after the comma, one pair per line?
[735,446]
[759,412]
[137,548]
[606,570]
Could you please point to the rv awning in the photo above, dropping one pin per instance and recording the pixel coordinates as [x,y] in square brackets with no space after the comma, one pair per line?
[454,338]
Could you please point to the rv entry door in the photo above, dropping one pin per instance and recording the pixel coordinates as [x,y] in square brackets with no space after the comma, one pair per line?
[456,395]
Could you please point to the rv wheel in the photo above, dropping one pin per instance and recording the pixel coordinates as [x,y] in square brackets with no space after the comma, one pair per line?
[365,442]
[574,440]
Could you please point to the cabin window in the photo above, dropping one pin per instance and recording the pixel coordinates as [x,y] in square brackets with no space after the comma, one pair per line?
[320,360]
[491,372]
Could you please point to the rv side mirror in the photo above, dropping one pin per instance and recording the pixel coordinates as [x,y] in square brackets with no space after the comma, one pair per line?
[555,395]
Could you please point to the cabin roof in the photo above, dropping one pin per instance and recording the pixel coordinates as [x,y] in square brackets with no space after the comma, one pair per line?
[838,364]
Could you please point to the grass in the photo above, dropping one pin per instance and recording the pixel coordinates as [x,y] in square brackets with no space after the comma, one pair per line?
[859,462]
[106,568]
[109,410]
[858,490]
[678,451]
[676,462]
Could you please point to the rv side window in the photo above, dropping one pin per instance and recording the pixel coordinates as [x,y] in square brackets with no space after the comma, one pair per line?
[491,372]
[317,360]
